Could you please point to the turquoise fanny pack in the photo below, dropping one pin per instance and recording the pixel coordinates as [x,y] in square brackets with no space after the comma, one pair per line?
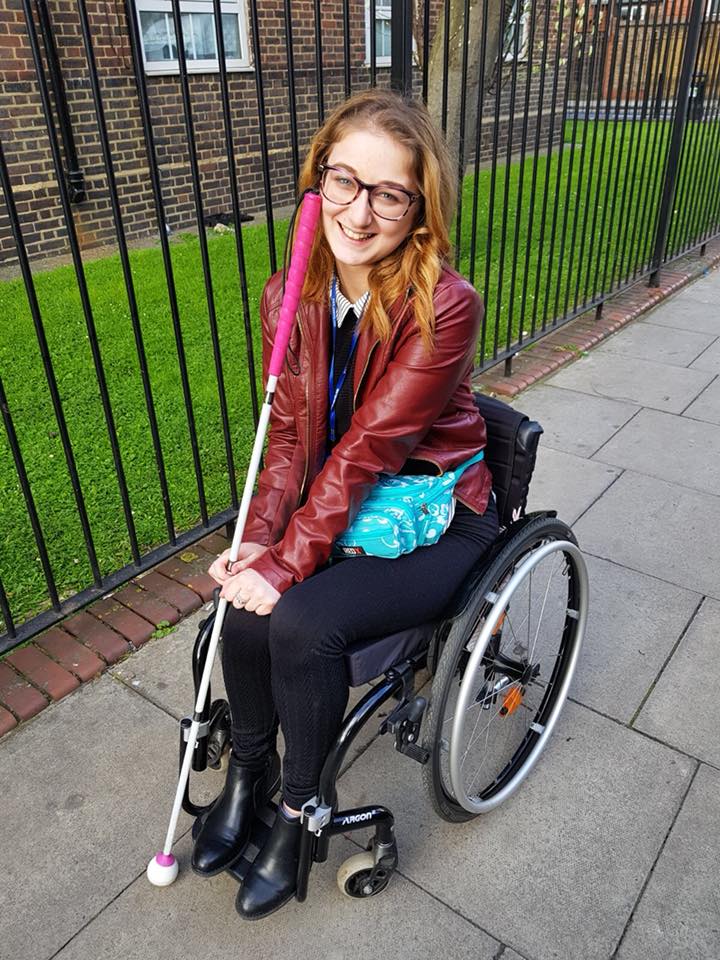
[402,513]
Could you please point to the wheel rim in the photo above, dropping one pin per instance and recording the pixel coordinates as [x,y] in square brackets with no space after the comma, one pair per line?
[514,676]
[357,884]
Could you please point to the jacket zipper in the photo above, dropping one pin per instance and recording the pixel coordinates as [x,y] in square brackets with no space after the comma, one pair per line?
[362,375]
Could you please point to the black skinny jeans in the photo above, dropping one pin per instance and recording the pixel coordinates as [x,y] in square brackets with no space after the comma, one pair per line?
[289,665]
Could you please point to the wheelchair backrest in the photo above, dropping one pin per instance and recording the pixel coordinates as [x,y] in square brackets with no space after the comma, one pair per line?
[512,441]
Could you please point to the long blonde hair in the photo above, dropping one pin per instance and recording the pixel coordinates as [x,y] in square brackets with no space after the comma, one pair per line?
[412,270]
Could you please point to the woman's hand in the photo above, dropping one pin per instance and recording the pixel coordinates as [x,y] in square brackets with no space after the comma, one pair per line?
[249,590]
[246,554]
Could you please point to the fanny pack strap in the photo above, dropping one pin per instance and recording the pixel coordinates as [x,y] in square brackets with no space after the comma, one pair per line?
[460,470]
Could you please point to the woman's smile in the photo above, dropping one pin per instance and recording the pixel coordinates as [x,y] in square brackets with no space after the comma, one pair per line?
[354,236]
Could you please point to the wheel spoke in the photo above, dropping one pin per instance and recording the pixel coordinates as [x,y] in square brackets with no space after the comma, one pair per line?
[542,611]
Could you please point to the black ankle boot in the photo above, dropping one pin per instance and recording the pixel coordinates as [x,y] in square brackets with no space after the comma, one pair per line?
[226,829]
[271,880]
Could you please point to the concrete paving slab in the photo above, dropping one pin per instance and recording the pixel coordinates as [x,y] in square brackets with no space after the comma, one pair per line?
[709,359]
[643,382]
[162,669]
[668,531]
[162,672]
[557,411]
[556,871]
[683,709]
[87,792]
[662,445]
[678,917]
[705,289]
[567,483]
[692,309]
[665,345]
[195,918]
[633,624]
[707,405]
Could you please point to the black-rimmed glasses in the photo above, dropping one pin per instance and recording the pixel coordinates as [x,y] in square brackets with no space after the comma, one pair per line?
[389,203]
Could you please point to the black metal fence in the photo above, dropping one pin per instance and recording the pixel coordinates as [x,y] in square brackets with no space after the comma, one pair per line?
[587,139]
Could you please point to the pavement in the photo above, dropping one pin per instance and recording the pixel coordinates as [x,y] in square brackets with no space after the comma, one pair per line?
[610,848]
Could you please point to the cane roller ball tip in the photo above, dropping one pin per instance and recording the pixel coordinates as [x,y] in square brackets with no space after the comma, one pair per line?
[162,869]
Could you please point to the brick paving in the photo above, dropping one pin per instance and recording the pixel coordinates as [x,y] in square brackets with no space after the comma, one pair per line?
[71,654]
[100,638]
[49,677]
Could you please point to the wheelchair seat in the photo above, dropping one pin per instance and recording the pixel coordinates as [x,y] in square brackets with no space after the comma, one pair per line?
[512,441]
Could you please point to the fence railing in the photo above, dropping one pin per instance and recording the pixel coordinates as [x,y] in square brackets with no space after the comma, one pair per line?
[587,139]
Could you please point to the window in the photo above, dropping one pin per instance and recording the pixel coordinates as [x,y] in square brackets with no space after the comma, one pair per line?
[157,33]
[513,24]
[635,11]
[383,15]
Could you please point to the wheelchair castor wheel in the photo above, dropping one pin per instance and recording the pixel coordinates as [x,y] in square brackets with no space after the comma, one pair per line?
[358,878]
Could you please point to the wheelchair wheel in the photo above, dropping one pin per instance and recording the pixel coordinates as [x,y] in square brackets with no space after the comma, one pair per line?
[505,670]
[355,877]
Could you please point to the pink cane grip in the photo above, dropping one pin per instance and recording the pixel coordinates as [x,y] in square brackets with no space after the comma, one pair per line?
[304,235]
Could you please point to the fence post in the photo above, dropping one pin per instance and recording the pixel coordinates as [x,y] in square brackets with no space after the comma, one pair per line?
[401,46]
[678,130]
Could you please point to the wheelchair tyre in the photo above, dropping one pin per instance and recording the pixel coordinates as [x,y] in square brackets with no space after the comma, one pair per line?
[353,877]
[505,670]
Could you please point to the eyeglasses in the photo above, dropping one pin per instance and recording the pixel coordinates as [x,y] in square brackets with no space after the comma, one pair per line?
[389,203]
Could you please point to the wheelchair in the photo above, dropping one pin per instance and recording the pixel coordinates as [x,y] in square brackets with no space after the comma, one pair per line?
[501,660]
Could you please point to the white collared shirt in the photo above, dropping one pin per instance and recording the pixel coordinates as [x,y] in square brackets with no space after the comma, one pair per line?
[344,305]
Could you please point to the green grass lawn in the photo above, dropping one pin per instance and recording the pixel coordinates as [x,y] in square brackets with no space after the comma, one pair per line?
[598,256]
[605,209]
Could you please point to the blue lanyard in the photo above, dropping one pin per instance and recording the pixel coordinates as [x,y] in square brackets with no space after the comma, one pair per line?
[334,386]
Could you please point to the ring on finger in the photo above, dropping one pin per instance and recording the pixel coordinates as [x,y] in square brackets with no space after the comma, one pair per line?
[240,601]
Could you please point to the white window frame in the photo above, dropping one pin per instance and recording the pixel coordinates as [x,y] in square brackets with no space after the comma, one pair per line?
[524,32]
[383,11]
[172,67]
[632,11]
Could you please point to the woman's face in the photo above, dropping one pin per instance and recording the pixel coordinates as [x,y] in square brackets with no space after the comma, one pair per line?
[358,237]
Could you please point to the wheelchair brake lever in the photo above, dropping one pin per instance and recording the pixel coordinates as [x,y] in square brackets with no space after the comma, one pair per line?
[404,722]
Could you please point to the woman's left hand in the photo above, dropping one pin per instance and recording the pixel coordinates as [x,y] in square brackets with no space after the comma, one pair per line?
[250,591]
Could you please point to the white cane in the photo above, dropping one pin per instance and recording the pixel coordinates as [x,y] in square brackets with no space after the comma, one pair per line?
[163,868]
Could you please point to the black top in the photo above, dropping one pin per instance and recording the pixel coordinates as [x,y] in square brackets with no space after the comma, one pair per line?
[344,402]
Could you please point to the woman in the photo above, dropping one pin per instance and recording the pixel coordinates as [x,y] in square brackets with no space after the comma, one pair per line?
[377,380]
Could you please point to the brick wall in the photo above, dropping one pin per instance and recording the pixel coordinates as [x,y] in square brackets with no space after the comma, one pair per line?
[25,139]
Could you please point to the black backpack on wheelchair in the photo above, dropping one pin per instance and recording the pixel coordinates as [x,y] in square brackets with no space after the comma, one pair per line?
[501,661]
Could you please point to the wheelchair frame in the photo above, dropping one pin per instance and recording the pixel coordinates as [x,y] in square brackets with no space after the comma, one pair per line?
[466,641]
[368,874]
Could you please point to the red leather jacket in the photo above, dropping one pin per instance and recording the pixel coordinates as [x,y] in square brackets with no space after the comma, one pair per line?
[408,404]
